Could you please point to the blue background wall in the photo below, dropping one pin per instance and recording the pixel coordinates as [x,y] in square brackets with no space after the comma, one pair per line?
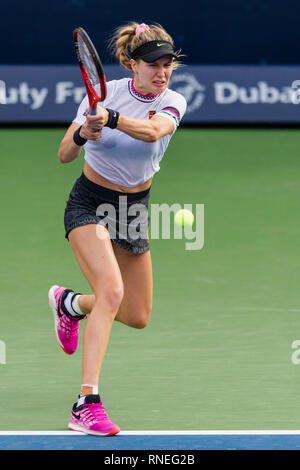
[208,31]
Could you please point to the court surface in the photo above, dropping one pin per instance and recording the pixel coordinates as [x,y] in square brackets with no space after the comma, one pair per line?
[217,353]
[153,440]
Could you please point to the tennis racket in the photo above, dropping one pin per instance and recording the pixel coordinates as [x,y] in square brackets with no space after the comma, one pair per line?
[91,68]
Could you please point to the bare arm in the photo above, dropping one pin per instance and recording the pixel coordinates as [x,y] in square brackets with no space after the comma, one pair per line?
[148,130]
[68,150]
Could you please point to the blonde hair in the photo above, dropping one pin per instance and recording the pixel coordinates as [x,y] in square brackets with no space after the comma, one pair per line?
[125,39]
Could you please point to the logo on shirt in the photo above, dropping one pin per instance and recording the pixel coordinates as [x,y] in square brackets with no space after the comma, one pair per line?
[151,114]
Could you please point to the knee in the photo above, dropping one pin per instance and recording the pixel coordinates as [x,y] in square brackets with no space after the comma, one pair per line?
[110,295]
[140,323]
[113,297]
[142,319]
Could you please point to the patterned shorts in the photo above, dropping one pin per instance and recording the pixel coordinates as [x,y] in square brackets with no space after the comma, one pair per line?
[125,215]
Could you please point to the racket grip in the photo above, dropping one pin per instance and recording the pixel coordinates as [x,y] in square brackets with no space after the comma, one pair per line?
[93,111]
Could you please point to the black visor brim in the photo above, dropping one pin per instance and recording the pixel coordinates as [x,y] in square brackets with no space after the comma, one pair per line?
[155,55]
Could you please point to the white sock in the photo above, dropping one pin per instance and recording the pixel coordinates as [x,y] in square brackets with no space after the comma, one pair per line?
[72,308]
[94,388]
[75,305]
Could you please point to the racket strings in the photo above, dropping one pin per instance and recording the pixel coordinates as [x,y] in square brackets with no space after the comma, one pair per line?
[88,62]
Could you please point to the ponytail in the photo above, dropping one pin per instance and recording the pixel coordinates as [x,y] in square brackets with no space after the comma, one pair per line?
[128,37]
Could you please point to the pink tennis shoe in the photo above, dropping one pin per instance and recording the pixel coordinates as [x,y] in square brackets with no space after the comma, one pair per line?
[89,416]
[66,326]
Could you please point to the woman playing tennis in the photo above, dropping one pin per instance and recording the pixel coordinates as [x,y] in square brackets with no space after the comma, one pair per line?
[123,143]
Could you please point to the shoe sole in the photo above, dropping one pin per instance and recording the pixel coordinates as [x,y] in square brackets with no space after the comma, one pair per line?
[74,427]
[52,305]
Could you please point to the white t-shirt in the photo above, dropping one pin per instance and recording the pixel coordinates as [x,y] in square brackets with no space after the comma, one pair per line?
[118,157]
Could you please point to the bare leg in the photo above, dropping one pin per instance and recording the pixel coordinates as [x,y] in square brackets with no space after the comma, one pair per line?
[98,263]
[136,304]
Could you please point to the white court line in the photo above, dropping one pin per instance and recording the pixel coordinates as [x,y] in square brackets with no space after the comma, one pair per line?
[157,433]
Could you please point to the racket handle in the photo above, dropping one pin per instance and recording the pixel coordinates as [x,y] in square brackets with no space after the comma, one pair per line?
[93,112]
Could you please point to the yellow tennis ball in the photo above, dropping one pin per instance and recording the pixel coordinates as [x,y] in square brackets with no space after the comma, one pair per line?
[184,217]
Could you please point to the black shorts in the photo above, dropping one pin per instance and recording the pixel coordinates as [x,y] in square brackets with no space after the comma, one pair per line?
[125,215]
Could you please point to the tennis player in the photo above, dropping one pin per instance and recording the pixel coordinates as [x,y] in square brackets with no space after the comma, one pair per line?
[123,144]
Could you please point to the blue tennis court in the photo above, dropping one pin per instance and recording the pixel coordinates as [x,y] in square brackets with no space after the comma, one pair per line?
[143,440]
